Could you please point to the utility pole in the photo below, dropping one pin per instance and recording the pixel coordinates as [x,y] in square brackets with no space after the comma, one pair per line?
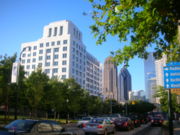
[170,113]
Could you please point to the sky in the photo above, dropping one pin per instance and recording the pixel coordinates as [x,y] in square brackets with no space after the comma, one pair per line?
[23,21]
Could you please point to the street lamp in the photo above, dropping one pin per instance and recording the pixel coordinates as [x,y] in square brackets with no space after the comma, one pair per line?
[67,115]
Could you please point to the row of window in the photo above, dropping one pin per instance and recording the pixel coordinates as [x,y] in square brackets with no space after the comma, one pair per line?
[55,31]
[78,73]
[56,50]
[92,87]
[55,63]
[48,57]
[47,44]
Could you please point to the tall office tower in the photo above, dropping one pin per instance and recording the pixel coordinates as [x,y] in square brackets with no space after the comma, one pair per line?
[93,75]
[110,79]
[124,85]
[59,53]
[149,73]
[159,64]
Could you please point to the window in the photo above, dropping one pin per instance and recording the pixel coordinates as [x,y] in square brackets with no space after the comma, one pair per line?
[23,61]
[33,66]
[63,62]
[64,42]
[48,57]
[52,43]
[55,31]
[61,30]
[47,71]
[56,49]
[40,51]
[56,127]
[48,50]
[64,48]
[44,127]
[63,69]
[27,73]
[27,67]
[41,45]
[24,55]
[47,44]
[34,60]
[35,47]
[64,55]
[29,55]
[55,70]
[47,64]
[28,60]
[63,77]
[40,57]
[74,31]
[58,42]
[55,63]
[40,65]
[50,30]
[34,53]
[56,56]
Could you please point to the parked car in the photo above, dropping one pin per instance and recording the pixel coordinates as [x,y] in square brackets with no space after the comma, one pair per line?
[83,121]
[156,121]
[99,126]
[37,127]
[123,123]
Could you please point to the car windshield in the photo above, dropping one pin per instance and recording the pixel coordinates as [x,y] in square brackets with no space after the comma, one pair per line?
[21,125]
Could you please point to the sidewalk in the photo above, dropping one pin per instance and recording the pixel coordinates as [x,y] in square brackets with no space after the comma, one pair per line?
[177,127]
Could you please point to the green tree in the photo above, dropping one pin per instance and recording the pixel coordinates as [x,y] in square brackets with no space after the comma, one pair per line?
[5,79]
[144,23]
[36,84]
[162,94]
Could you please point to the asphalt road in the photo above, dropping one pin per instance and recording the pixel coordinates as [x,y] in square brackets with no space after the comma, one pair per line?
[148,131]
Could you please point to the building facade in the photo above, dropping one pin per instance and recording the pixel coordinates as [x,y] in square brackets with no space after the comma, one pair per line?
[124,85]
[93,75]
[137,95]
[149,73]
[159,64]
[110,86]
[60,53]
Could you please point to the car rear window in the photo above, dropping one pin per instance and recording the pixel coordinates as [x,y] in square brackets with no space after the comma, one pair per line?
[100,121]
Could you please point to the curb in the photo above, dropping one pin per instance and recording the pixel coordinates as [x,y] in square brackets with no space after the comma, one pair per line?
[140,131]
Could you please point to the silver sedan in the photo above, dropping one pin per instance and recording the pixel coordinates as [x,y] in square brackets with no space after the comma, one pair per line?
[99,126]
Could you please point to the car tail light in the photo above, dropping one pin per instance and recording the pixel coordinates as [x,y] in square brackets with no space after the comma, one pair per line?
[83,125]
[161,121]
[125,124]
[99,126]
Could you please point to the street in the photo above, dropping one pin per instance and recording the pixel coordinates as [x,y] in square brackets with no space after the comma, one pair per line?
[148,131]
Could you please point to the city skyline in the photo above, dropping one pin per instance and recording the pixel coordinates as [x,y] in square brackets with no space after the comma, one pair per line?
[23,22]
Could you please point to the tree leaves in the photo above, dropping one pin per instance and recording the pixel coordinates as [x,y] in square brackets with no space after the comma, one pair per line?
[148,22]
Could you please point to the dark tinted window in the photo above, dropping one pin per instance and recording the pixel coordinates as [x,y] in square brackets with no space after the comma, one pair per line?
[21,125]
